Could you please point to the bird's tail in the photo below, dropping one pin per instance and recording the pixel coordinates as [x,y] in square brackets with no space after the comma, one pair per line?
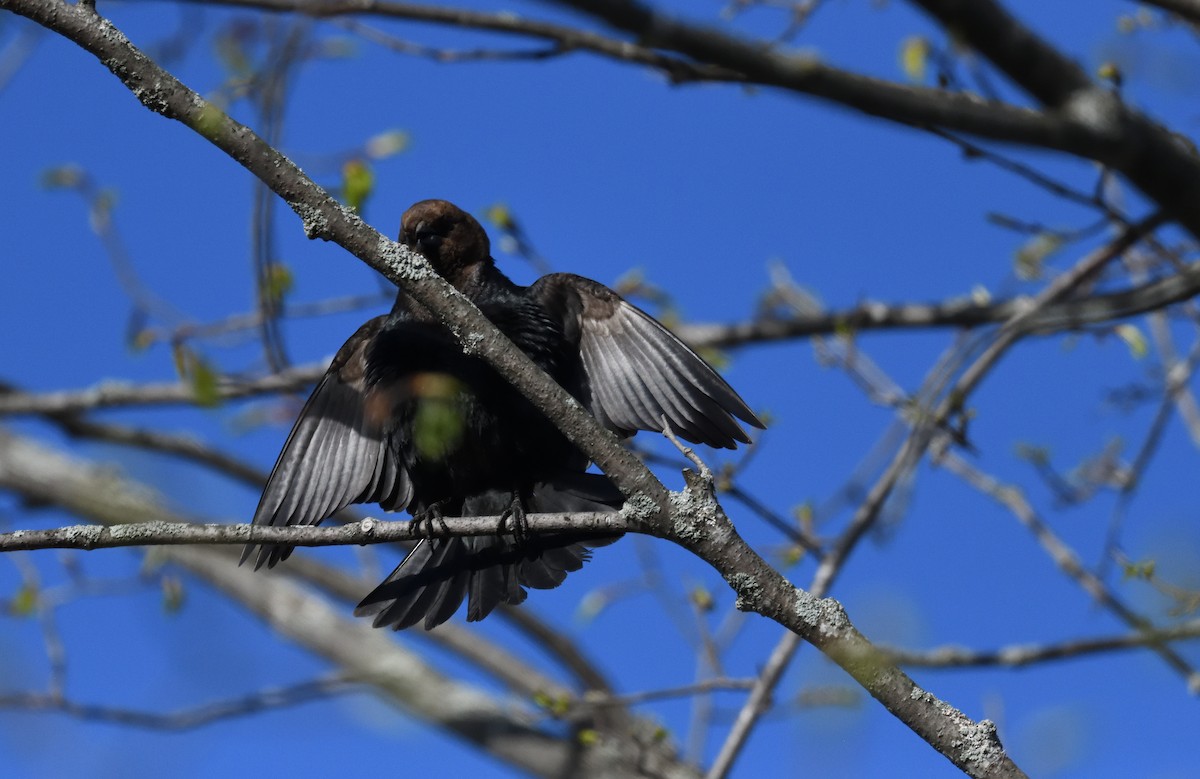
[439,574]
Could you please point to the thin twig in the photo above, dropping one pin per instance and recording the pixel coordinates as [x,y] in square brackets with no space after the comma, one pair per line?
[1021,655]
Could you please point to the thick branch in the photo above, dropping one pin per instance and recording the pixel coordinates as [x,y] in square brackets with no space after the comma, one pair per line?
[1084,120]
[703,529]
[564,38]
[1025,57]
[325,218]
[1164,167]
[1188,10]
[696,520]
[715,56]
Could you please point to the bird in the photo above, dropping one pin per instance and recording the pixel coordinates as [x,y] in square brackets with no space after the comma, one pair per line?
[404,419]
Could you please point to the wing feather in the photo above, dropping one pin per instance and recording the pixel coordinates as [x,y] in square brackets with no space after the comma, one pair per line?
[638,371]
[335,455]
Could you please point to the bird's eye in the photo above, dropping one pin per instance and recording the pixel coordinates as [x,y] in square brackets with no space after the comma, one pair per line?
[427,240]
[424,237]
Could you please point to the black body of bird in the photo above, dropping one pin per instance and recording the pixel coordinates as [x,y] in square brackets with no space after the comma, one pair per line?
[405,419]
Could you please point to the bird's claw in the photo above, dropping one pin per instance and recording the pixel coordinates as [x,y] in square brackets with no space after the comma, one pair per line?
[520,525]
[433,521]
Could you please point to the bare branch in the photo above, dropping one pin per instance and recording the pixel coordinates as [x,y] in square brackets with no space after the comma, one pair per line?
[1014,48]
[180,445]
[755,706]
[1066,559]
[954,399]
[184,719]
[1149,155]
[325,218]
[366,531]
[110,394]
[923,433]
[696,520]
[1021,655]
[563,39]
[507,731]
[1066,315]
[1188,10]
[1085,120]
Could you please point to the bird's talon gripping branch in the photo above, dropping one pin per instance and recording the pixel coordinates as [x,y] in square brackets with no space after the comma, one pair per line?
[519,527]
[434,521]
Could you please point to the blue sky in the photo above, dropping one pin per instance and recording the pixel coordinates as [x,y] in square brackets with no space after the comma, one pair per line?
[609,169]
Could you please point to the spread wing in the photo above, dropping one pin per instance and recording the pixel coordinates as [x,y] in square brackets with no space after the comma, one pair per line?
[336,454]
[638,371]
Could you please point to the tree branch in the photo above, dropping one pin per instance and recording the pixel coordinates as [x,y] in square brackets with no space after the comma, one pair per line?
[1067,315]
[1021,655]
[325,218]
[1164,168]
[111,394]
[184,719]
[1065,558]
[366,531]
[1188,10]
[692,519]
[564,39]
[362,653]
[1084,119]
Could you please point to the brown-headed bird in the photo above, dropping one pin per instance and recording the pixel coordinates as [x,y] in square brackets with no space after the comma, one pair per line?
[404,419]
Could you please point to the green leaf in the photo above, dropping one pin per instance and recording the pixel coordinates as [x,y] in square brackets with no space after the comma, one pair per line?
[499,215]
[1133,338]
[340,47]
[1031,257]
[717,358]
[209,121]
[914,57]
[204,383]
[199,373]
[438,423]
[232,52]
[703,599]
[141,340]
[24,602]
[556,705]
[278,283]
[357,183]
[1111,72]
[793,554]
[1143,569]
[180,354]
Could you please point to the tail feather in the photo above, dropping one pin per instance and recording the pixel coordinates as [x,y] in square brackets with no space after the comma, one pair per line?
[485,571]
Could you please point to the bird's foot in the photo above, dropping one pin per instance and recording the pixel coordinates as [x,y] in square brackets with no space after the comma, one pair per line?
[520,525]
[432,521]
